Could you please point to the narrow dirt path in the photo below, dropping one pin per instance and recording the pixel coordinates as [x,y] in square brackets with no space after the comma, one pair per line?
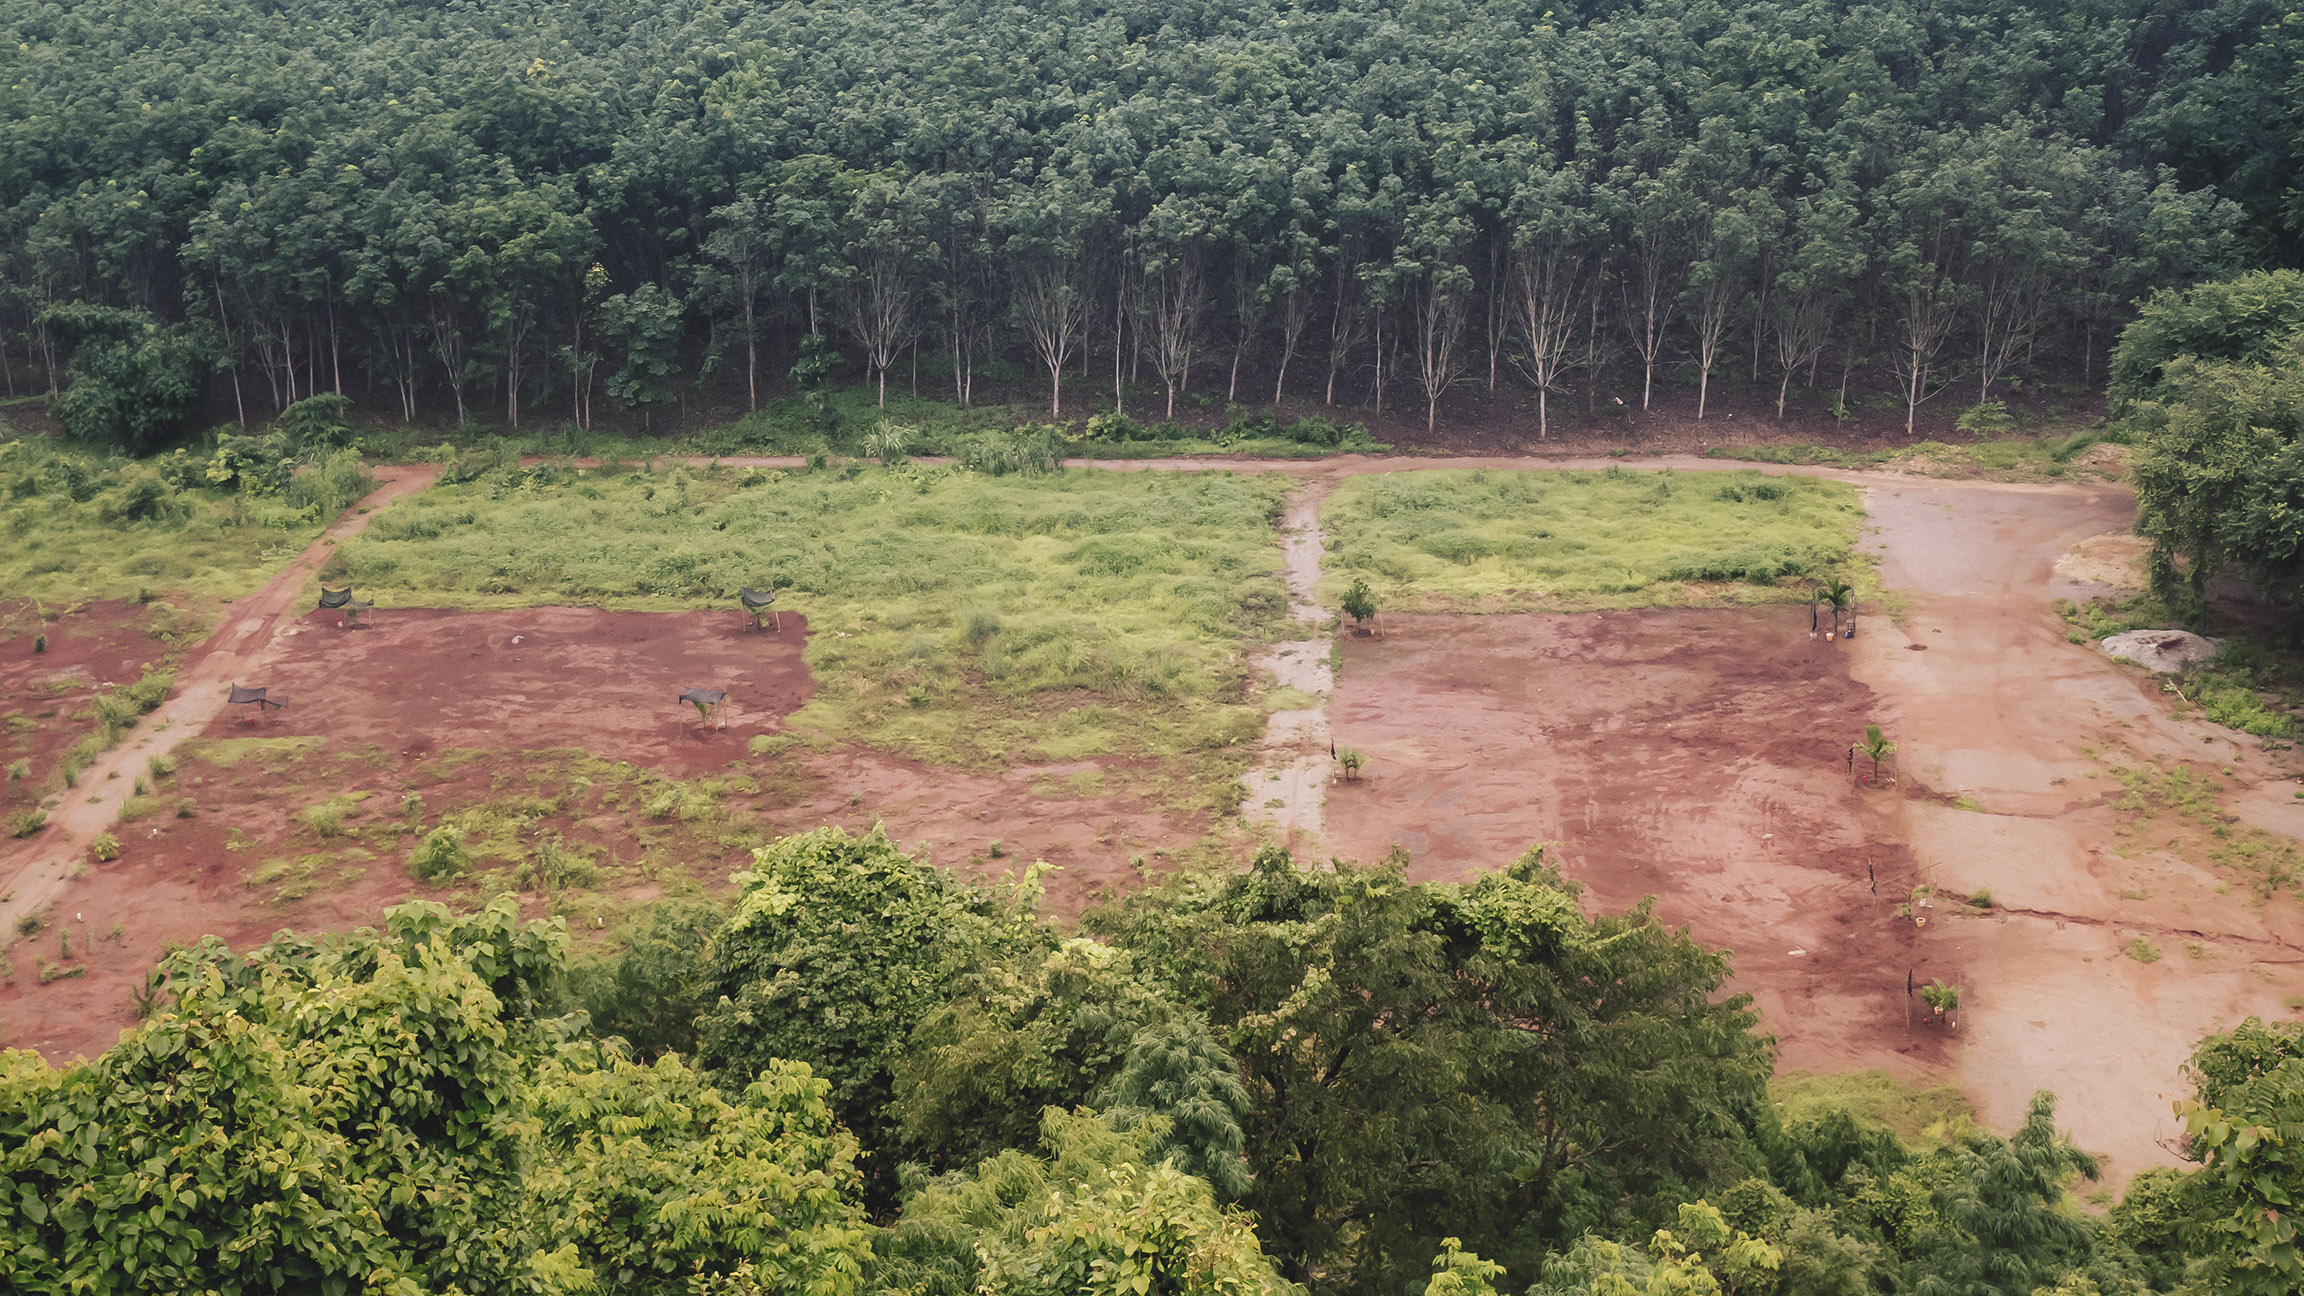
[1288,787]
[37,870]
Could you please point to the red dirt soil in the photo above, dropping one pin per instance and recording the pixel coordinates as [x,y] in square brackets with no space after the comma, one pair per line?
[44,696]
[420,680]
[1696,756]
[384,703]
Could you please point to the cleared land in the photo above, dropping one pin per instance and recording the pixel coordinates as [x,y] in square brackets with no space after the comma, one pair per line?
[1009,669]
[1695,756]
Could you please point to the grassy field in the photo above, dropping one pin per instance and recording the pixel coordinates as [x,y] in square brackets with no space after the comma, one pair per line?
[958,617]
[1486,540]
[76,527]
[2051,456]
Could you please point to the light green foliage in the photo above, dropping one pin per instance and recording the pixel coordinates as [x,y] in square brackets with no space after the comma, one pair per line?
[75,526]
[1457,1272]
[1417,1055]
[1919,1117]
[105,848]
[836,948]
[646,1175]
[1139,587]
[384,1112]
[1097,1216]
[2142,950]
[441,855]
[1487,541]
[2246,1128]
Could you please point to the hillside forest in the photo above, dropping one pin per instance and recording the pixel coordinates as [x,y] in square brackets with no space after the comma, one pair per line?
[537,212]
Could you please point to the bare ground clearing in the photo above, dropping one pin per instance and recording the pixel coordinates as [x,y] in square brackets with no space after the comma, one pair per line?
[1695,756]
[520,717]
[1692,755]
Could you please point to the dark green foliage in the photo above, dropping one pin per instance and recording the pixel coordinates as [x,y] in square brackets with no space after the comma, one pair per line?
[837,947]
[1177,1073]
[134,384]
[2214,476]
[544,202]
[651,992]
[317,423]
[1427,1061]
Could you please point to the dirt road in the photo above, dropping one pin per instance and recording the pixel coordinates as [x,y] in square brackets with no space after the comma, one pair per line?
[36,871]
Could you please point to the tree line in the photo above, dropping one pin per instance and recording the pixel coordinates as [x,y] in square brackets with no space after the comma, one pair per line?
[510,209]
[865,1076]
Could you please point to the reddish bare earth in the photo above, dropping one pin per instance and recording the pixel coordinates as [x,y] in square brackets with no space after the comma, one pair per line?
[524,717]
[1694,756]
[420,680]
[44,696]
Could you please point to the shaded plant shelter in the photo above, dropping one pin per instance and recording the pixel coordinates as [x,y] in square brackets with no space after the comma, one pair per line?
[341,600]
[705,701]
[761,604]
[257,698]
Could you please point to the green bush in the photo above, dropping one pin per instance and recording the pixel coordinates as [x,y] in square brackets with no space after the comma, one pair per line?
[105,848]
[440,856]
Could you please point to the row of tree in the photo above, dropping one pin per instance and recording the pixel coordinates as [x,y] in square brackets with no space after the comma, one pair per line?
[514,206]
[868,1077]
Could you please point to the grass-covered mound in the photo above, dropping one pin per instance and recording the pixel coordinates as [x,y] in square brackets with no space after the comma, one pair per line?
[1485,540]
[960,617]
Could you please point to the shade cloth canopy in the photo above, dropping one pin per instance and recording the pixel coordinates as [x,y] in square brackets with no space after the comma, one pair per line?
[256,695]
[340,599]
[755,599]
[703,697]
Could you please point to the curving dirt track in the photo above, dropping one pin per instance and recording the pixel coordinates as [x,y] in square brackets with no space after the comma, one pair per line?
[36,871]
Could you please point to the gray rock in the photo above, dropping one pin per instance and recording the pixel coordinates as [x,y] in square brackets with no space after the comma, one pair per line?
[2162,650]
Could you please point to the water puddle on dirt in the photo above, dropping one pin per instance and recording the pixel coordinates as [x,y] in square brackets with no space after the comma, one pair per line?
[1290,782]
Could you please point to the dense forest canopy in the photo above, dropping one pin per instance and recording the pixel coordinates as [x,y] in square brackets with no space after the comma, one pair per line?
[507,209]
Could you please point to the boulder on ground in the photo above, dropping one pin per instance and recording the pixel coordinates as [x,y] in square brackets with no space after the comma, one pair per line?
[2161,650]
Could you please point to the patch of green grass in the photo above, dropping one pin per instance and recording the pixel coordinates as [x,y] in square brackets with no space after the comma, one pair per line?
[76,526]
[1920,1117]
[2046,457]
[952,614]
[2142,950]
[1485,540]
[227,753]
[2099,617]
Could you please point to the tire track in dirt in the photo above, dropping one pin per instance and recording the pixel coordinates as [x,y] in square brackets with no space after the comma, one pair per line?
[39,868]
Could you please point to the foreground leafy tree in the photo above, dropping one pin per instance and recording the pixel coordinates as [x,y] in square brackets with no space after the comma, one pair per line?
[1100,1214]
[836,949]
[2246,1128]
[387,1112]
[1428,1061]
[2216,481]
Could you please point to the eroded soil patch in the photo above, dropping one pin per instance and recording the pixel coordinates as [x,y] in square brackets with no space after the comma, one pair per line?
[1696,756]
[550,738]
